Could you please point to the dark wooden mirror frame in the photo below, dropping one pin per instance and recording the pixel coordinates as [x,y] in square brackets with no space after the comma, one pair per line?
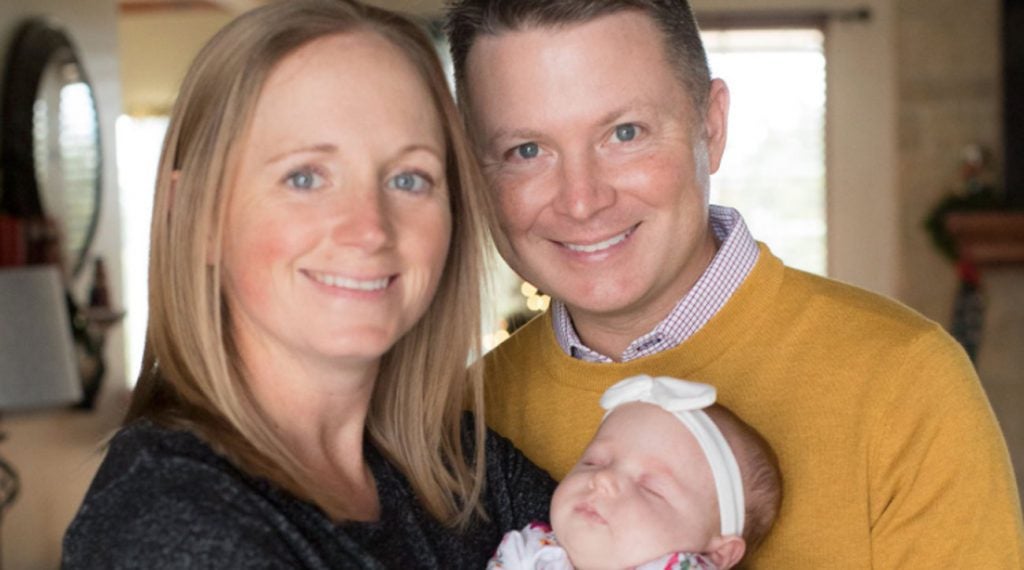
[36,43]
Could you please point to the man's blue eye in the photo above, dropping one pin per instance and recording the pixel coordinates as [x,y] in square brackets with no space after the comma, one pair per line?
[528,150]
[409,181]
[626,132]
[304,179]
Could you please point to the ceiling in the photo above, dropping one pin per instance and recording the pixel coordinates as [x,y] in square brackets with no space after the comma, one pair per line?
[421,7]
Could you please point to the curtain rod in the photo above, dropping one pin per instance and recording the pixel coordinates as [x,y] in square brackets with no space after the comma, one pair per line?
[714,19]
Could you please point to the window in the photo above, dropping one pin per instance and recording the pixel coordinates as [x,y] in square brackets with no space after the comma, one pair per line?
[773,171]
[138,152]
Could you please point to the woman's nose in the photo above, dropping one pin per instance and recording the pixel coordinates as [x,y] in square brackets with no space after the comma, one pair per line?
[363,220]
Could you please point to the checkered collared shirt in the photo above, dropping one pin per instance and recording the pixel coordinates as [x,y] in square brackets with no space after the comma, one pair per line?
[730,266]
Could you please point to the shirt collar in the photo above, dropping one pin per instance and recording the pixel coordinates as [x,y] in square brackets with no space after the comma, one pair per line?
[730,266]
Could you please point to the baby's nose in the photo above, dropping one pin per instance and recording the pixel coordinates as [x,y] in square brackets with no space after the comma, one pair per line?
[605,481]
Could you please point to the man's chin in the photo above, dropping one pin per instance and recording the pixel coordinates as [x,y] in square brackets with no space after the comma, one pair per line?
[606,305]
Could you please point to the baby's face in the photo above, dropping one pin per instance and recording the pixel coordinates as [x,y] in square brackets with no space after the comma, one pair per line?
[642,489]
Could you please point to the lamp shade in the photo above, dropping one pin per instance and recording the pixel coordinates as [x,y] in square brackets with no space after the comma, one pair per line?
[37,359]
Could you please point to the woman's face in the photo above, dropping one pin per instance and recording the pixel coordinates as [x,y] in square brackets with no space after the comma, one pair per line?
[338,220]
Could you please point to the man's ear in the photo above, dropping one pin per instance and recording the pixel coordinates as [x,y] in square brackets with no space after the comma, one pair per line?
[726,551]
[716,123]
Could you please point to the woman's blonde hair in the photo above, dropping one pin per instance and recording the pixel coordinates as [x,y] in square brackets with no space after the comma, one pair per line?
[192,376]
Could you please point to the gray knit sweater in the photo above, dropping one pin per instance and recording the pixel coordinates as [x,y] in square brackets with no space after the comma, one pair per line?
[165,499]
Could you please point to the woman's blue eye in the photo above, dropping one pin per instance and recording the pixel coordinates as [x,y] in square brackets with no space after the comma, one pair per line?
[626,132]
[304,179]
[409,182]
[528,150]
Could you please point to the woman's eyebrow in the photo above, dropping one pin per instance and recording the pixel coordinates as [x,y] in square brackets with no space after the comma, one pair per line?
[422,147]
[323,148]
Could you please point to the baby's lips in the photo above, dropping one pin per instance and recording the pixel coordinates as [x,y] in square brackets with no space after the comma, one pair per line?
[588,511]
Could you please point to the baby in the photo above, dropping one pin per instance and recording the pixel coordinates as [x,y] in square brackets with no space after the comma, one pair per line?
[669,482]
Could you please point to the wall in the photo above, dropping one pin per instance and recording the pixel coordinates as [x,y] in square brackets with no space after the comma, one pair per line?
[949,96]
[907,90]
[150,72]
[56,453]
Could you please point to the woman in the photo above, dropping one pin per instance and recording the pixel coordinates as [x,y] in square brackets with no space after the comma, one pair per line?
[313,302]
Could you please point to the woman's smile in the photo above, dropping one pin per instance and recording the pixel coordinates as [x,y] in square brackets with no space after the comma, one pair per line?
[350,283]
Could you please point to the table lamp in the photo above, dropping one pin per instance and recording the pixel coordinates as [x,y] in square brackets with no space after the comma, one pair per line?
[37,359]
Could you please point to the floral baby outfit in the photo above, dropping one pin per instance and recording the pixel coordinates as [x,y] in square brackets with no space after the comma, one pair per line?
[535,548]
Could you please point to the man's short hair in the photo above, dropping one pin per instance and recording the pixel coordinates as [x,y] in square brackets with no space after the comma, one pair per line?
[469,19]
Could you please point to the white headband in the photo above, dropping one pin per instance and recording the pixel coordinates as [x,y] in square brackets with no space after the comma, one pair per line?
[686,401]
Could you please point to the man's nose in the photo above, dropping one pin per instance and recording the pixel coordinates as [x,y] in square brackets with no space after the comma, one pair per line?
[362,219]
[582,191]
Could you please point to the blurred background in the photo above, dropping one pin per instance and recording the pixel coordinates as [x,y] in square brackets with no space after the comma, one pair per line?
[853,123]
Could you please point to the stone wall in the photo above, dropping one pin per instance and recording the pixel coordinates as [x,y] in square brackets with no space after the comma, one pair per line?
[949,96]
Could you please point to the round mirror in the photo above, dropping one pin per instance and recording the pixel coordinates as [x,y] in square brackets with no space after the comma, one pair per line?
[51,138]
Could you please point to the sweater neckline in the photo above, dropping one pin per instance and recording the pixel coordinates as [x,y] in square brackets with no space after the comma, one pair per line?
[752,297]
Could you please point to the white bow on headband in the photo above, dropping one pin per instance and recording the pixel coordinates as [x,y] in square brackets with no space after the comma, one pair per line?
[687,400]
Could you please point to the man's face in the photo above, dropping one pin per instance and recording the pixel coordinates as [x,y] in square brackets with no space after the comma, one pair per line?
[599,163]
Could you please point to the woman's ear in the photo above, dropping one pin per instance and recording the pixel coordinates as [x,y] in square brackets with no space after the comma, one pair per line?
[726,551]
[175,177]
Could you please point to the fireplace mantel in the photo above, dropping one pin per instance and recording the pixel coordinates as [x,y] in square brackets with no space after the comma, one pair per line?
[989,237]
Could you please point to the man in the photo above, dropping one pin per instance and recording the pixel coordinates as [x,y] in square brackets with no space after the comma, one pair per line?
[598,125]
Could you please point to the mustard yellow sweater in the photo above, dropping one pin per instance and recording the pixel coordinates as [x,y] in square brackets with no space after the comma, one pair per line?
[890,454]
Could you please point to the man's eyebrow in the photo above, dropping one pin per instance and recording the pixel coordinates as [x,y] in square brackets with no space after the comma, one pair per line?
[322,148]
[613,116]
[519,134]
[632,106]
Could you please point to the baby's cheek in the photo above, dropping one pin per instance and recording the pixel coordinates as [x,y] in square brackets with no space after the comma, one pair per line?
[572,489]
[559,506]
